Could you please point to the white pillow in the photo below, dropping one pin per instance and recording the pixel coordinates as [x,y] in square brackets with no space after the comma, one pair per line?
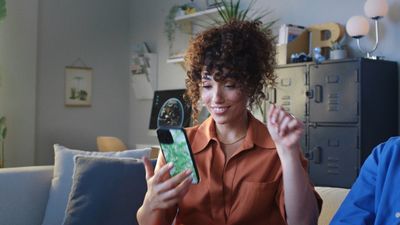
[62,178]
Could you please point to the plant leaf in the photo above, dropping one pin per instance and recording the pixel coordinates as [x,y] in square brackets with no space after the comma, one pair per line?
[3,9]
[236,10]
[229,10]
[4,133]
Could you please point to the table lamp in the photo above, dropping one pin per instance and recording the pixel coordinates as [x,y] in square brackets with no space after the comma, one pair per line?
[357,26]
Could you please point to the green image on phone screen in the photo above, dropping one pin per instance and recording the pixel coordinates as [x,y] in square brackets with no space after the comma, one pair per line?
[178,153]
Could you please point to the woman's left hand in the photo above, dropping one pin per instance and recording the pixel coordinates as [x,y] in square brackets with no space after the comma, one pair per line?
[285,130]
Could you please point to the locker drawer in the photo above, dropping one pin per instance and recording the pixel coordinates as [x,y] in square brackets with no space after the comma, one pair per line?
[334,93]
[333,156]
[290,91]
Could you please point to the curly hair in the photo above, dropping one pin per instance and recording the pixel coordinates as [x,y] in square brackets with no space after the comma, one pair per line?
[241,47]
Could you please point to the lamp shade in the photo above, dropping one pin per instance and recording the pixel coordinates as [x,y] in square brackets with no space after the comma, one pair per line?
[357,26]
[376,8]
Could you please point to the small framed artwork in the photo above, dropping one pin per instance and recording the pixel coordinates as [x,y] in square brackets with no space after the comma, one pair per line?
[78,86]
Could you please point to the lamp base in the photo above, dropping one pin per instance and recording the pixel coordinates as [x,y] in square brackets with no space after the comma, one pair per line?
[374,57]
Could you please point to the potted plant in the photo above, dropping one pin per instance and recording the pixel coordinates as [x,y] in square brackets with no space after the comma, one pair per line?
[229,10]
[189,8]
[3,133]
[337,50]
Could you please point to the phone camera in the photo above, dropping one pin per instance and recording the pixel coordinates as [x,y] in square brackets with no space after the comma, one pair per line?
[164,136]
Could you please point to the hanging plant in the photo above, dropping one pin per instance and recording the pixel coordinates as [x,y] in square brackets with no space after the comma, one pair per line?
[170,25]
[3,9]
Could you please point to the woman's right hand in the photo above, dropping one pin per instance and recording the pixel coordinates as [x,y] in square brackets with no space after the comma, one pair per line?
[164,191]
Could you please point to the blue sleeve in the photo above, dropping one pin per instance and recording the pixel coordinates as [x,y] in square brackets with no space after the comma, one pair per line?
[359,205]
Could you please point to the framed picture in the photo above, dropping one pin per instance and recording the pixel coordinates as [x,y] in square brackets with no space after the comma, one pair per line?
[78,86]
[169,109]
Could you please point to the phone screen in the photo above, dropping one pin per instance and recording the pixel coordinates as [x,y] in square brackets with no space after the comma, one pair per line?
[176,149]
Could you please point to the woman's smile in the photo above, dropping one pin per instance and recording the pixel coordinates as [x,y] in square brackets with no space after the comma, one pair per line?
[219,109]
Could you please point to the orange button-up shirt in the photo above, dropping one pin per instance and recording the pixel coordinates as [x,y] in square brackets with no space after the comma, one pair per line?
[246,189]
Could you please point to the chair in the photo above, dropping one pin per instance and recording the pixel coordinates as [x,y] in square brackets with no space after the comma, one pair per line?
[110,144]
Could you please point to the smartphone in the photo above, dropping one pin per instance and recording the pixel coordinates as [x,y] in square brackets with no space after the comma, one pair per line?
[176,149]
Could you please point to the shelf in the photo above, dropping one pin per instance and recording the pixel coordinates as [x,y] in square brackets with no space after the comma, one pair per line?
[190,24]
[175,60]
[205,14]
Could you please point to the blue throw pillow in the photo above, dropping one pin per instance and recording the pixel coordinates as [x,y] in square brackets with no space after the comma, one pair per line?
[105,191]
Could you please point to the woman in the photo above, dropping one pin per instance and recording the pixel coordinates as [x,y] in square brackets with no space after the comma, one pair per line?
[250,173]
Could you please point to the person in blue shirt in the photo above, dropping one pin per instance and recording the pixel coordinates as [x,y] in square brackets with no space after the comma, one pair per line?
[375,196]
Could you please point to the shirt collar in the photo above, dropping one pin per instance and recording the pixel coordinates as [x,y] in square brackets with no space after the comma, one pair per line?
[205,133]
[257,134]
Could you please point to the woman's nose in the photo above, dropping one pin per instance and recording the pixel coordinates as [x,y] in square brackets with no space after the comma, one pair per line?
[218,95]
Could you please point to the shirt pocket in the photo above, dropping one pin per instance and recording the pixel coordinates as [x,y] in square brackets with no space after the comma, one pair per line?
[255,198]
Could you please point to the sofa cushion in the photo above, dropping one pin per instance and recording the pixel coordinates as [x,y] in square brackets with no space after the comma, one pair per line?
[332,198]
[105,191]
[62,178]
[23,194]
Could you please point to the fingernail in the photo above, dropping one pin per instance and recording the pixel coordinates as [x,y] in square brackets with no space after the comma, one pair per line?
[187,172]
[170,165]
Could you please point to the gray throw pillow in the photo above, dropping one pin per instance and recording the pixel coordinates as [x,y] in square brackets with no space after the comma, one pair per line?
[105,191]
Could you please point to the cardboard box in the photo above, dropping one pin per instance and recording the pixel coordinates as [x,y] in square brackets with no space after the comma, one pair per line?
[298,45]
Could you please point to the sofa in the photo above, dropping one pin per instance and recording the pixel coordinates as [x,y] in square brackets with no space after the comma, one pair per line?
[24,192]
[81,188]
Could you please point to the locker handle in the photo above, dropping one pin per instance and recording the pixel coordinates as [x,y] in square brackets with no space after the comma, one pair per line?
[318,93]
[273,96]
[267,95]
[310,94]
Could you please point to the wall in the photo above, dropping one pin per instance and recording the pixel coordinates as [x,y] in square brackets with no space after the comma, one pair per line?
[302,12]
[18,50]
[147,24]
[97,31]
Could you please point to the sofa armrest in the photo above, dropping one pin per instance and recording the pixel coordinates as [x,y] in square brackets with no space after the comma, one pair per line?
[332,198]
[24,193]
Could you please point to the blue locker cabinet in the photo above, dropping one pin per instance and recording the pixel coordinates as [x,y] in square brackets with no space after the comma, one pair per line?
[347,106]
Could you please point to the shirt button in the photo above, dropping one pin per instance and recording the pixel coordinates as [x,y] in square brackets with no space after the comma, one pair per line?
[397,215]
